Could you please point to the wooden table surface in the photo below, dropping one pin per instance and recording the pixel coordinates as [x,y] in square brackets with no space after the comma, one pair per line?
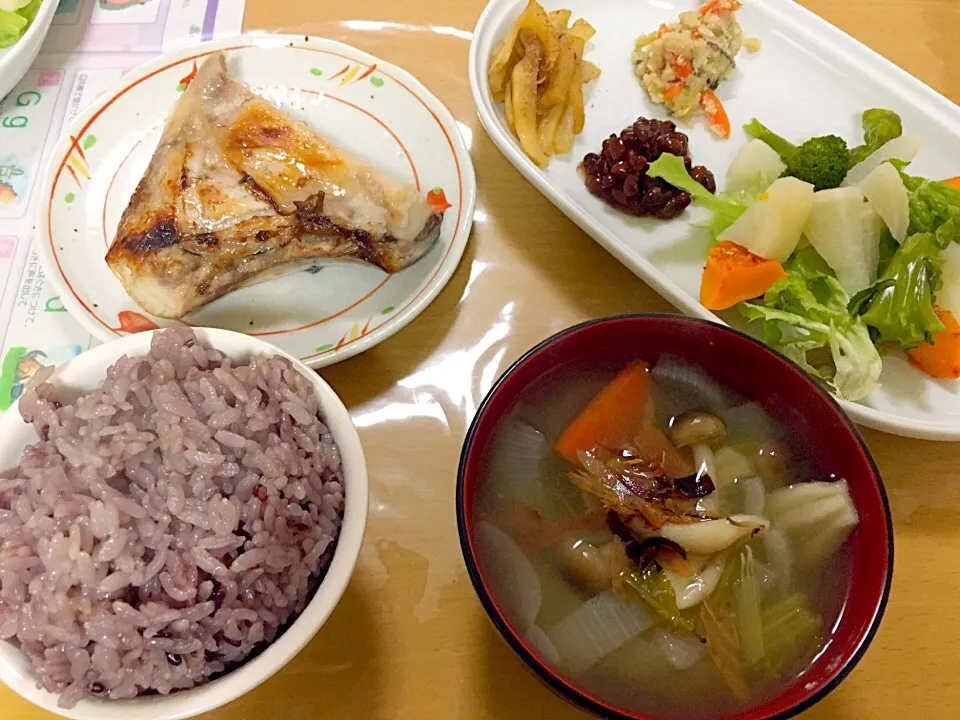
[410,639]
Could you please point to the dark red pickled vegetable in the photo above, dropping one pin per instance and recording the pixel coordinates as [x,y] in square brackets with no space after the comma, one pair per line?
[618,527]
[592,163]
[704,177]
[641,551]
[695,486]
[618,173]
[676,204]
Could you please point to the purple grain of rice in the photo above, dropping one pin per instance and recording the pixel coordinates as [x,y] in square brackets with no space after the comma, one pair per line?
[168,524]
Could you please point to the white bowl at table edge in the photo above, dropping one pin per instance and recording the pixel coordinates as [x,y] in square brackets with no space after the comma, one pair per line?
[16,60]
[87,371]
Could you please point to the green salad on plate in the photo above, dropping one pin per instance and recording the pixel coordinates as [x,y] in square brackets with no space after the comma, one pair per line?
[836,254]
[16,16]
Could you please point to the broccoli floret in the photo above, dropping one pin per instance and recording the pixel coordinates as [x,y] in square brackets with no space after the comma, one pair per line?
[822,161]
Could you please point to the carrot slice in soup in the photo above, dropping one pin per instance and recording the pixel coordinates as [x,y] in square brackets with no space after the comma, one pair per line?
[953,182]
[622,414]
[734,274]
[941,358]
[613,418]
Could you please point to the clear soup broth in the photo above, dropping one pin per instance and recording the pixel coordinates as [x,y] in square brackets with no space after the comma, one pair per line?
[685,559]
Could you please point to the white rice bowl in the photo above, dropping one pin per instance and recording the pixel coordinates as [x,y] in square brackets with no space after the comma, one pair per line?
[240,569]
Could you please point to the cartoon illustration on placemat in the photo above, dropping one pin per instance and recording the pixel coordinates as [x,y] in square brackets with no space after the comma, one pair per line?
[119,4]
[21,363]
[148,14]
[8,182]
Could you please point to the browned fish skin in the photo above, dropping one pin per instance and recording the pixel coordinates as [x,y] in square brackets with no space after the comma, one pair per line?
[237,191]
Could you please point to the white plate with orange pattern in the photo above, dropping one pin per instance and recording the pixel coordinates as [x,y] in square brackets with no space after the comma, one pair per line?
[326,314]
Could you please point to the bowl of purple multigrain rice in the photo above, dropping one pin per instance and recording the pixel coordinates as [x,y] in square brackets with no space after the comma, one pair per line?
[180,512]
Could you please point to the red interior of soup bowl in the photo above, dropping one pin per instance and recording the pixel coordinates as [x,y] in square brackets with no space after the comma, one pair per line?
[745,366]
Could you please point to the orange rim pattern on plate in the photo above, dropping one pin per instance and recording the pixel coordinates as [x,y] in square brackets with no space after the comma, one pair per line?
[75,145]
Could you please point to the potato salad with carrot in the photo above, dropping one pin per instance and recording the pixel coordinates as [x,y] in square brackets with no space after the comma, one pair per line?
[836,254]
[681,64]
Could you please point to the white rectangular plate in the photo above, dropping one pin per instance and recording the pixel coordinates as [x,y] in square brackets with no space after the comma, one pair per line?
[809,78]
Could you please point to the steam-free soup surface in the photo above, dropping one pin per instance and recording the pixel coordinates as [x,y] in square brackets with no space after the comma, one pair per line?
[678,561]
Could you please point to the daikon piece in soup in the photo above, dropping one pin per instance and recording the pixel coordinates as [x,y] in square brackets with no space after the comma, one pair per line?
[663,544]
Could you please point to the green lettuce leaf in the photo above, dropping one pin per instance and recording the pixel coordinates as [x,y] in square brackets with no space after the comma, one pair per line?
[14,23]
[888,248]
[934,208]
[725,208]
[12,26]
[899,306]
[805,317]
[879,127]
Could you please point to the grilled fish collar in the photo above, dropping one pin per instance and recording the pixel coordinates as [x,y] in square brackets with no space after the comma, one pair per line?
[239,192]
